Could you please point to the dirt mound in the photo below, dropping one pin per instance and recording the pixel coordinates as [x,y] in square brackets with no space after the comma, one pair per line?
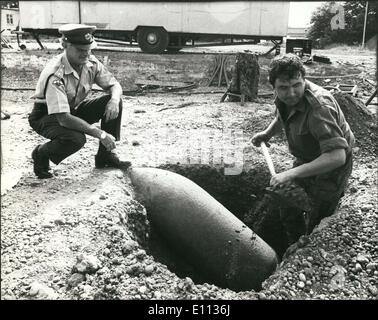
[362,122]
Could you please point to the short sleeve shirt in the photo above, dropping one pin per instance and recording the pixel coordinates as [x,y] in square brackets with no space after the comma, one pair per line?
[62,89]
[315,125]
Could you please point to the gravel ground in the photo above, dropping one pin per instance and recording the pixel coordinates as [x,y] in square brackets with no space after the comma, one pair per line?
[83,234]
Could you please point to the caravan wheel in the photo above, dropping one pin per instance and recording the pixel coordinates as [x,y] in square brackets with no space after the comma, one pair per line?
[152,40]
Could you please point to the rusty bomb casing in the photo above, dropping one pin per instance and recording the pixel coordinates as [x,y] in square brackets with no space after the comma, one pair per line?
[210,236]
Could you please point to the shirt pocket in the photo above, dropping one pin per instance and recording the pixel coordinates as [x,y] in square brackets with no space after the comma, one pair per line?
[70,95]
[70,90]
[86,88]
[299,134]
[303,141]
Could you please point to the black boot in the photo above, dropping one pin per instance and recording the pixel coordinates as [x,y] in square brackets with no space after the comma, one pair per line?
[111,160]
[41,164]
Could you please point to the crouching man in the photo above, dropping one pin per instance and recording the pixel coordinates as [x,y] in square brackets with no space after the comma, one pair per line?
[61,111]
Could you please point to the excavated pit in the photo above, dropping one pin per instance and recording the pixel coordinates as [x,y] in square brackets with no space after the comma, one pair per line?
[243,195]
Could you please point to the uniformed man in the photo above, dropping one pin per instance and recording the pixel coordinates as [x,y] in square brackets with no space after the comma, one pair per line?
[61,111]
[318,136]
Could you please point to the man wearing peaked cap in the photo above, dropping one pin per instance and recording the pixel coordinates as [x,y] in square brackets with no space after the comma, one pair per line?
[78,34]
[63,113]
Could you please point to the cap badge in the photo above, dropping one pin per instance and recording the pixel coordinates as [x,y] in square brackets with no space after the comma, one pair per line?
[88,36]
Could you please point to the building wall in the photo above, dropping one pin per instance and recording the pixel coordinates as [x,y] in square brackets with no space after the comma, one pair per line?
[9,20]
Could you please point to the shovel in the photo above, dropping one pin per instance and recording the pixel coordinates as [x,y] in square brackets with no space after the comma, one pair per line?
[290,195]
[268,159]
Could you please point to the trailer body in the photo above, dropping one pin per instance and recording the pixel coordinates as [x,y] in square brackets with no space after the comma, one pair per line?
[162,24]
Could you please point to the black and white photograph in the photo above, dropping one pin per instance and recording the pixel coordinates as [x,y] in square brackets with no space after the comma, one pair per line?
[189,154]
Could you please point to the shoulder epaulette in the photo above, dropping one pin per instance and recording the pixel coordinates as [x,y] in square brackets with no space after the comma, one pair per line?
[321,100]
[312,99]
[60,72]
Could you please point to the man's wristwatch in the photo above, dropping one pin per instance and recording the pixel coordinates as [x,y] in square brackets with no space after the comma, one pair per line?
[103,135]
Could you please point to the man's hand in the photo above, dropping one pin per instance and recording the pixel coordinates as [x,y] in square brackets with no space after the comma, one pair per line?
[260,137]
[282,178]
[326,162]
[108,142]
[111,110]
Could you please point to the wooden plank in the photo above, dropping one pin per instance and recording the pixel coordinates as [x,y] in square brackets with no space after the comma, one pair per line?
[160,83]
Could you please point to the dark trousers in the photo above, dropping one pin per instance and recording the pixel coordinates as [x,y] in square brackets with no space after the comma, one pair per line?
[63,141]
[324,191]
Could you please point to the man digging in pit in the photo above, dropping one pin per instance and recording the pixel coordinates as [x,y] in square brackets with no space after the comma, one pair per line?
[318,137]
[61,111]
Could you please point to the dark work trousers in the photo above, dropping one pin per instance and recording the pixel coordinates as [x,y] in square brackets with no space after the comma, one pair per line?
[64,141]
[324,191]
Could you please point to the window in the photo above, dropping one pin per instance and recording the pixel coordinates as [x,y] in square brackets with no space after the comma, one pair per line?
[10,19]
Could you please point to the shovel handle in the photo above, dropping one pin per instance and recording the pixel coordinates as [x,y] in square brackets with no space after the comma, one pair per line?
[268,159]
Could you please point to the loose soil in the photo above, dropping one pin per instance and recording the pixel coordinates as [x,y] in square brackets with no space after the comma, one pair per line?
[83,234]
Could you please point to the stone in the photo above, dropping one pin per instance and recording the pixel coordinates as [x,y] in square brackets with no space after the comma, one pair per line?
[353,189]
[149,269]
[302,277]
[373,290]
[308,272]
[141,254]
[7,270]
[87,288]
[303,241]
[116,261]
[80,267]
[34,289]
[47,225]
[262,296]
[129,246]
[362,258]
[142,289]
[75,279]
[338,277]
[87,264]
[41,291]
[367,207]
[371,266]
[358,267]
[306,264]
[47,293]
[108,287]
[300,284]
[284,293]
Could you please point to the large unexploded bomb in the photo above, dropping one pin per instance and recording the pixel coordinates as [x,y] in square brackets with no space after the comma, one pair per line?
[212,239]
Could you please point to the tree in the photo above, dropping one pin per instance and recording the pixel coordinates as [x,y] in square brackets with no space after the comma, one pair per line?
[321,27]
[9,4]
[355,17]
[354,23]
